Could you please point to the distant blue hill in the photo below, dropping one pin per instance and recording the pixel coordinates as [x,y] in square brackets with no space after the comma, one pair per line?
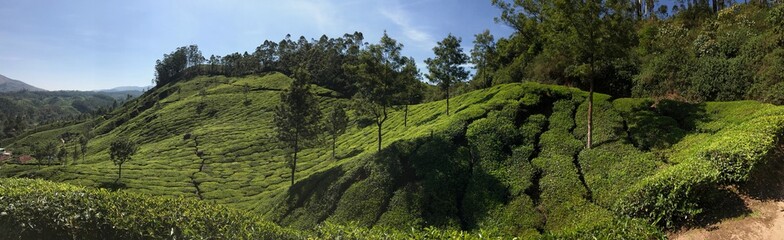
[11,85]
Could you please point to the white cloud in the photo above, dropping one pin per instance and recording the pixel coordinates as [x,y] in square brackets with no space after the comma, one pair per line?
[323,13]
[402,19]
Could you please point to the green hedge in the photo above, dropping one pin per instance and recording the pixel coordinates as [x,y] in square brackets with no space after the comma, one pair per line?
[674,194]
[613,168]
[563,115]
[607,123]
[491,136]
[37,209]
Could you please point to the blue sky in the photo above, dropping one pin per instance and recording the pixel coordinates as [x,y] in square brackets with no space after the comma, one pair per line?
[87,45]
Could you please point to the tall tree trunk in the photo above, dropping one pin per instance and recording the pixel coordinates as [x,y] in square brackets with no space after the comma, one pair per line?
[334,139]
[379,136]
[294,163]
[405,117]
[119,172]
[638,8]
[379,123]
[590,114]
[447,101]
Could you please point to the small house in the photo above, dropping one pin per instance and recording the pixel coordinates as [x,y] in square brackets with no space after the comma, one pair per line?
[4,154]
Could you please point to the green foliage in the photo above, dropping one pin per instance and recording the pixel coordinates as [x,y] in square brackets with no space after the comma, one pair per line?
[613,168]
[532,127]
[675,193]
[484,57]
[173,65]
[491,137]
[703,52]
[297,118]
[36,209]
[384,75]
[718,79]
[607,123]
[769,82]
[45,152]
[618,228]
[446,68]
[121,151]
[336,124]
[39,111]
[508,163]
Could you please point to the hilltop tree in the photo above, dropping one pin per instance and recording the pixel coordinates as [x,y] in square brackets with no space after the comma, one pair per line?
[591,34]
[483,56]
[336,124]
[66,138]
[45,152]
[378,69]
[83,140]
[413,88]
[447,67]
[297,117]
[75,155]
[121,151]
[173,65]
[62,155]
[245,92]
[574,42]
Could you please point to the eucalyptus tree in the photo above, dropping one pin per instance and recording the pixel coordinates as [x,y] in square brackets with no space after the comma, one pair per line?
[378,71]
[446,69]
[297,117]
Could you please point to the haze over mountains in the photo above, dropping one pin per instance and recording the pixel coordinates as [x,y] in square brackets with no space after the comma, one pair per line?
[125,89]
[12,85]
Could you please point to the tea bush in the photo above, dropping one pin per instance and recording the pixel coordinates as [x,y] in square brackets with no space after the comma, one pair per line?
[37,209]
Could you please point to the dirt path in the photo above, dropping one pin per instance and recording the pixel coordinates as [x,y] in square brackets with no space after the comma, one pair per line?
[765,222]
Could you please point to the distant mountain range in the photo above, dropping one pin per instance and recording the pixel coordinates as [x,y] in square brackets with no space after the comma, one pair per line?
[11,85]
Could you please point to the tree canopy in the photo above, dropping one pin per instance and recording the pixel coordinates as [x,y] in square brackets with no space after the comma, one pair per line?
[121,151]
[297,117]
[446,69]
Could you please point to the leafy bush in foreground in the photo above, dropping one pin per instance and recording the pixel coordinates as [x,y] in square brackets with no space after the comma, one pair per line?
[37,209]
[674,194]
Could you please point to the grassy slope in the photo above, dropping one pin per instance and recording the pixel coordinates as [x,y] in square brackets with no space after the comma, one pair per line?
[243,167]
[559,188]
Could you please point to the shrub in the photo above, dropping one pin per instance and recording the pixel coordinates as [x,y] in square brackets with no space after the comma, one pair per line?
[518,217]
[532,128]
[405,209]
[611,169]
[649,131]
[562,116]
[673,195]
[560,181]
[364,201]
[607,123]
[491,136]
[670,196]
[36,209]
[618,228]
[437,163]
[559,142]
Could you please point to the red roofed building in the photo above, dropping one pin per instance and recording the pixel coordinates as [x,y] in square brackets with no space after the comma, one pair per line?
[24,159]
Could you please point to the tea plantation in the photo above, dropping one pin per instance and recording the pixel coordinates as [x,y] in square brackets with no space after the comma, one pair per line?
[509,160]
